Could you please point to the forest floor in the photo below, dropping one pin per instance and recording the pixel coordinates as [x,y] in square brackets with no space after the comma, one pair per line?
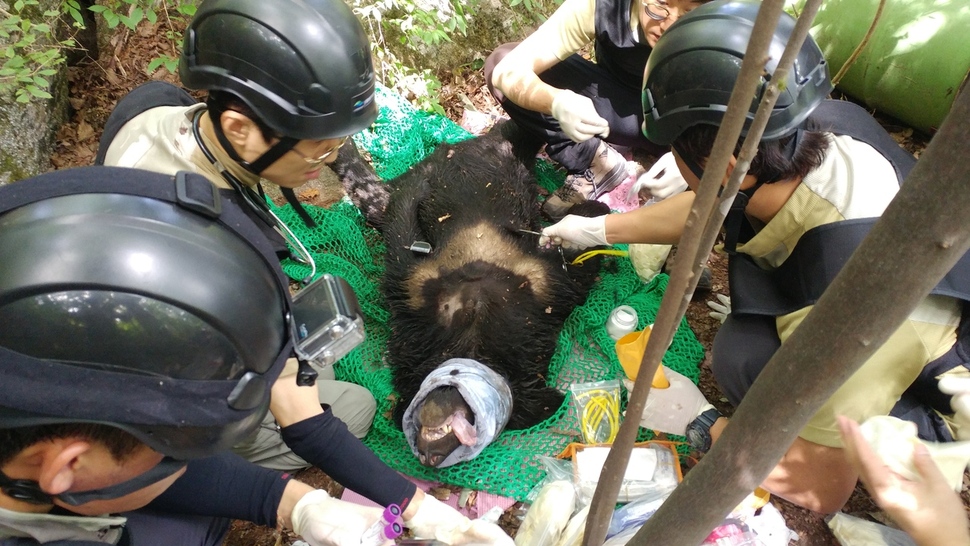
[97,85]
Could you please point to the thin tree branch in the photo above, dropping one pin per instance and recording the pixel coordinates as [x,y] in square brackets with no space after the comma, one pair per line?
[862,45]
[685,273]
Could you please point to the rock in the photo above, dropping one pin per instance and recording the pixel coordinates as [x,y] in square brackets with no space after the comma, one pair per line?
[28,130]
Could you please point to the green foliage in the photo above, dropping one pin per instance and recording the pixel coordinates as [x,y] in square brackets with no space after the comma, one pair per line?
[538,9]
[420,24]
[414,24]
[34,52]
[31,54]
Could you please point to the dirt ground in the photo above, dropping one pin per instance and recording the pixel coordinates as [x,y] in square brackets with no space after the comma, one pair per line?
[96,85]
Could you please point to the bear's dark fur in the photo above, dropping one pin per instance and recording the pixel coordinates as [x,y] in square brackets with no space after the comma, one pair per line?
[486,291]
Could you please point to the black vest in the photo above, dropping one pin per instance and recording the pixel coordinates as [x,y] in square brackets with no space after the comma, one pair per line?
[822,251]
[617,50]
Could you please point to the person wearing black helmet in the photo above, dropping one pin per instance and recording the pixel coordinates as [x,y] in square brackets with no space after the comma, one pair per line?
[287,83]
[130,366]
[580,108]
[824,171]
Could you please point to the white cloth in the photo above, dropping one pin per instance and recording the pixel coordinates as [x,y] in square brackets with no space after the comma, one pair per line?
[49,527]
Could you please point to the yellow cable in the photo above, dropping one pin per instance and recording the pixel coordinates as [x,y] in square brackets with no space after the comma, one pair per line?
[600,407]
[589,254]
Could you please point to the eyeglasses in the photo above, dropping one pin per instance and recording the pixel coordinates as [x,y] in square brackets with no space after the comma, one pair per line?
[313,161]
[657,11]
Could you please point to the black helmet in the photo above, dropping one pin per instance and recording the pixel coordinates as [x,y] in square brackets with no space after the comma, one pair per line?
[303,66]
[691,73]
[153,316]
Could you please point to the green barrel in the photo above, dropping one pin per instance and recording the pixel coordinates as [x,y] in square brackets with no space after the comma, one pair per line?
[916,61]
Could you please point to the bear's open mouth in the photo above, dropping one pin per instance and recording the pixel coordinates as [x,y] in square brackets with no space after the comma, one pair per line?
[435,433]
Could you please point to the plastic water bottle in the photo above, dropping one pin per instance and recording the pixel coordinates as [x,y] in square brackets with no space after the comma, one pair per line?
[622,321]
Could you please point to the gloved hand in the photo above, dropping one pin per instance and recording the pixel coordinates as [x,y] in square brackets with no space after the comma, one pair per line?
[660,182]
[959,387]
[439,521]
[720,310]
[576,232]
[670,410]
[325,521]
[578,117]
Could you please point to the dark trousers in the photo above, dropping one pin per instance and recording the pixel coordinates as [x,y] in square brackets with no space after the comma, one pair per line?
[745,343]
[618,102]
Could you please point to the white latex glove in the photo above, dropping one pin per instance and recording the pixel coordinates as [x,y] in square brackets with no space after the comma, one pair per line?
[439,521]
[720,310]
[660,182]
[575,232]
[325,521]
[670,410]
[959,387]
[578,117]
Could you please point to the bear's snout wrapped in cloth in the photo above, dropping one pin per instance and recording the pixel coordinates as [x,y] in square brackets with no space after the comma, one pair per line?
[484,291]
[460,408]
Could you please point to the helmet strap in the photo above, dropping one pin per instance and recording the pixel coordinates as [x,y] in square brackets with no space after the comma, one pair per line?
[270,156]
[262,163]
[792,146]
[689,161]
[29,491]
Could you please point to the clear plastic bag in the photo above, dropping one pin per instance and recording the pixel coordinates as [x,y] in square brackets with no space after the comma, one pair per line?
[653,467]
[548,515]
[597,406]
[638,511]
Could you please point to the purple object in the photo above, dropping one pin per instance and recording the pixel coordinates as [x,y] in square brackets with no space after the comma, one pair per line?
[391,514]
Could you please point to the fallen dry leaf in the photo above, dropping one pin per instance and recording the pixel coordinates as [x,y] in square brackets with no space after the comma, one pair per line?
[440,493]
[84,130]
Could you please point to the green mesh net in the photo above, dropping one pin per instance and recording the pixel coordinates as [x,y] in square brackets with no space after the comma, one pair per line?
[343,245]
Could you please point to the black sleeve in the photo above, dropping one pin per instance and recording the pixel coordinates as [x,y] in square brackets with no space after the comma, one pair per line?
[226,486]
[325,442]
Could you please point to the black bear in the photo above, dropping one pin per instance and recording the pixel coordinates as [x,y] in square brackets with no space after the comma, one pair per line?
[465,279]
